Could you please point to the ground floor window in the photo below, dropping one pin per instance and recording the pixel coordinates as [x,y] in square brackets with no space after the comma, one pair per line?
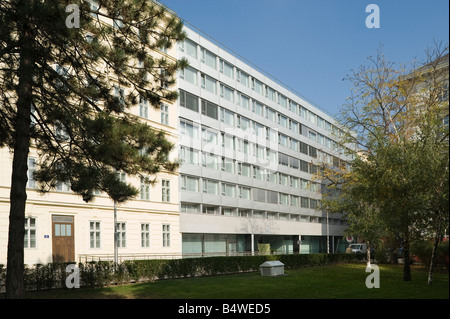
[30,233]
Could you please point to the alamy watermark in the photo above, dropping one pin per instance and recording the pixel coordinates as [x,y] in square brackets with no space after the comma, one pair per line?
[73,19]
[373,19]
[73,279]
[373,280]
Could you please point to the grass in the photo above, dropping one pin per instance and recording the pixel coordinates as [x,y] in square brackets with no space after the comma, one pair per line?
[326,282]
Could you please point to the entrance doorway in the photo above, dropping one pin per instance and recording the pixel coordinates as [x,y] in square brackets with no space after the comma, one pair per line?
[63,239]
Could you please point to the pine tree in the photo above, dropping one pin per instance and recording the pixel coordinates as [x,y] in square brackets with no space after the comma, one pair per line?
[67,91]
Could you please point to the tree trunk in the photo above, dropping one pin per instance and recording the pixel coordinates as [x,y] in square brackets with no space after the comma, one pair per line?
[407,260]
[433,256]
[18,196]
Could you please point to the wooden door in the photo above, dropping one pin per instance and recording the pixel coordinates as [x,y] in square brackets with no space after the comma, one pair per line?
[63,239]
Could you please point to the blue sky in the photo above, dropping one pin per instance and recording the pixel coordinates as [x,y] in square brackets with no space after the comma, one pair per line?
[312,45]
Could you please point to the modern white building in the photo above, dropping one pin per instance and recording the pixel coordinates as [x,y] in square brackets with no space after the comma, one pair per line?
[249,148]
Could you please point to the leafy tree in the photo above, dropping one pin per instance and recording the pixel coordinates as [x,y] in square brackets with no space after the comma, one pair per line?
[398,182]
[68,92]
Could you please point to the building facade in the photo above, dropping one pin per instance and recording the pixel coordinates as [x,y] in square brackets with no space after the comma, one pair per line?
[61,227]
[249,149]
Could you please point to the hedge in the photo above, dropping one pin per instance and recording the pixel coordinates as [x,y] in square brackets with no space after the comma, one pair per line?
[102,273]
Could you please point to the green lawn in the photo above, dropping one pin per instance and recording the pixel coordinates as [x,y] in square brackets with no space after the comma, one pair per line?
[327,282]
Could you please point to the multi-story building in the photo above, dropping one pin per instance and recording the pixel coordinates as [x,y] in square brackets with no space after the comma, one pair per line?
[250,149]
[60,226]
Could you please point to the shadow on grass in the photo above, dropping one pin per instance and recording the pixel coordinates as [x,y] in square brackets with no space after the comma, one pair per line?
[325,282]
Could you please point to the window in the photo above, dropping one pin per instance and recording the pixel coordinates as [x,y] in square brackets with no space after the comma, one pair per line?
[272,197]
[165,190]
[283,159]
[31,169]
[295,162]
[227,93]
[283,179]
[304,148]
[293,107]
[189,156]
[143,107]
[313,203]
[227,69]
[229,190]
[145,235]
[294,126]
[227,116]
[282,100]
[63,186]
[210,109]
[244,169]
[208,83]
[210,210]
[244,192]
[228,165]
[259,195]
[304,201]
[294,200]
[228,141]
[30,233]
[189,74]
[294,145]
[271,114]
[119,94]
[189,183]
[210,187]
[190,208]
[304,166]
[283,120]
[283,140]
[284,199]
[270,94]
[166,235]
[258,108]
[244,101]
[257,86]
[145,188]
[188,101]
[164,114]
[190,48]
[210,136]
[243,78]
[121,235]
[295,183]
[209,58]
[210,161]
[94,234]
[258,129]
[188,129]
[243,123]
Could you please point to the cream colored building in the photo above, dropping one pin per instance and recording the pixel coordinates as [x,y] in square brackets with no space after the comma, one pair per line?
[60,226]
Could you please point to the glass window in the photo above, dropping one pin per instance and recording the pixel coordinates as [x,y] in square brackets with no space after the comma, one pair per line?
[210,109]
[31,169]
[165,190]
[166,235]
[209,58]
[210,187]
[30,232]
[145,188]
[145,235]
[121,235]
[191,48]
[94,234]
[164,114]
